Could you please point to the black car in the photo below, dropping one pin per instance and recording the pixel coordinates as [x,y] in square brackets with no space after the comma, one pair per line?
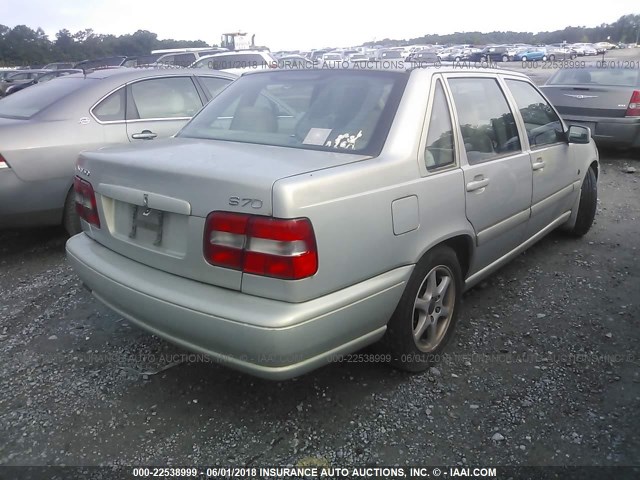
[492,53]
[41,78]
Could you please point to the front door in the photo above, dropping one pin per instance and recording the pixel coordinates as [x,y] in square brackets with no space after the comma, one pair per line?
[551,163]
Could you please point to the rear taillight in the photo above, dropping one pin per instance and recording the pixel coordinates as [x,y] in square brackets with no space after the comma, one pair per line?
[633,110]
[271,247]
[3,163]
[86,205]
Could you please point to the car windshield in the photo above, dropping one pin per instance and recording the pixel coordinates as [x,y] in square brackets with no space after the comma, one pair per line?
[623,77]
[344,111]
[35,99]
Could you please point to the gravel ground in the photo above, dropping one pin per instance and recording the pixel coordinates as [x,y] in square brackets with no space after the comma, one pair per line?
[543,371]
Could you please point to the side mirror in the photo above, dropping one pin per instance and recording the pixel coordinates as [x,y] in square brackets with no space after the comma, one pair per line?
[578,134]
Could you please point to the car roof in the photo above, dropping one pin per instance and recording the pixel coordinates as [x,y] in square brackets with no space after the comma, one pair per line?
[406,69]
[126,73]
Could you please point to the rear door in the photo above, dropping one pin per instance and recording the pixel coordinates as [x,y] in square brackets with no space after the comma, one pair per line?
[497,172]
[158,107]
[551,161]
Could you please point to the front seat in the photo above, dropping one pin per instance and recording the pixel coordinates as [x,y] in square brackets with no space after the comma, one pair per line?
[254,119]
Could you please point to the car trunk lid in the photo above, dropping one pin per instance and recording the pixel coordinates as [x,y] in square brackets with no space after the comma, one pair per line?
[590,101]
[154,198]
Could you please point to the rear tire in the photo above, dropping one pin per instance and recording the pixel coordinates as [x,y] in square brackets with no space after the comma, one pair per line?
[70,218]
[588,204]
[505,58]
[425,318]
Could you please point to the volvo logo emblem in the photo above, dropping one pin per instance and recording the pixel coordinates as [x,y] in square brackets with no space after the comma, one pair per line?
[580,97]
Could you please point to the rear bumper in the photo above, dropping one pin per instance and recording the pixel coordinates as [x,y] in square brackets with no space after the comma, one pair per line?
[263,337]
[614,132]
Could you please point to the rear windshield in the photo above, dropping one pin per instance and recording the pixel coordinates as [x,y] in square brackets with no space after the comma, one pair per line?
[622,77]
[344,111]
[33,100]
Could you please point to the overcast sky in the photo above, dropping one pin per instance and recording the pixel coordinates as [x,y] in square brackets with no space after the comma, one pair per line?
[286,24]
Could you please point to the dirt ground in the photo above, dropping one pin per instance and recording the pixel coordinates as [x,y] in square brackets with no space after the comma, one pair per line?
[543,371]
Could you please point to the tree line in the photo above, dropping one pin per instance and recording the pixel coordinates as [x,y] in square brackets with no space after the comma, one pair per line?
[625,30]
[22,45]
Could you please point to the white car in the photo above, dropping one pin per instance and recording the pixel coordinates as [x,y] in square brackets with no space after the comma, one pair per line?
[584,49]
[237,62]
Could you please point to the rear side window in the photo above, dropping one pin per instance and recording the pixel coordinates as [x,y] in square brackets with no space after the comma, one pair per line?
[486,122]
[174,97]
[541,122]
[213,85]
[439,150]
[112,108]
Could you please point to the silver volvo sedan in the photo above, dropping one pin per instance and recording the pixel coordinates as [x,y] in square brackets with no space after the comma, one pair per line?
[275,240]
[45,127]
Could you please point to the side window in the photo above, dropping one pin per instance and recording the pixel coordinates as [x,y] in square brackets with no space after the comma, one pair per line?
[111,108]
[213,85]
[184,59]
[541,122]
[439,149]
[171,97]
[487,124]
[167,60]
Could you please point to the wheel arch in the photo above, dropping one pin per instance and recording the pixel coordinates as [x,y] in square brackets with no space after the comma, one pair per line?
[463,246]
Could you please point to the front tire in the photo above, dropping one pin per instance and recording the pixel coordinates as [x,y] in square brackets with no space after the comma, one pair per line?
[425,318]
[505,58]
[588,204]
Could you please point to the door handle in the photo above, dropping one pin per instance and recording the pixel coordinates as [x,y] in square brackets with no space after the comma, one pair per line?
[477,183]
[144,135]
[538,164]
